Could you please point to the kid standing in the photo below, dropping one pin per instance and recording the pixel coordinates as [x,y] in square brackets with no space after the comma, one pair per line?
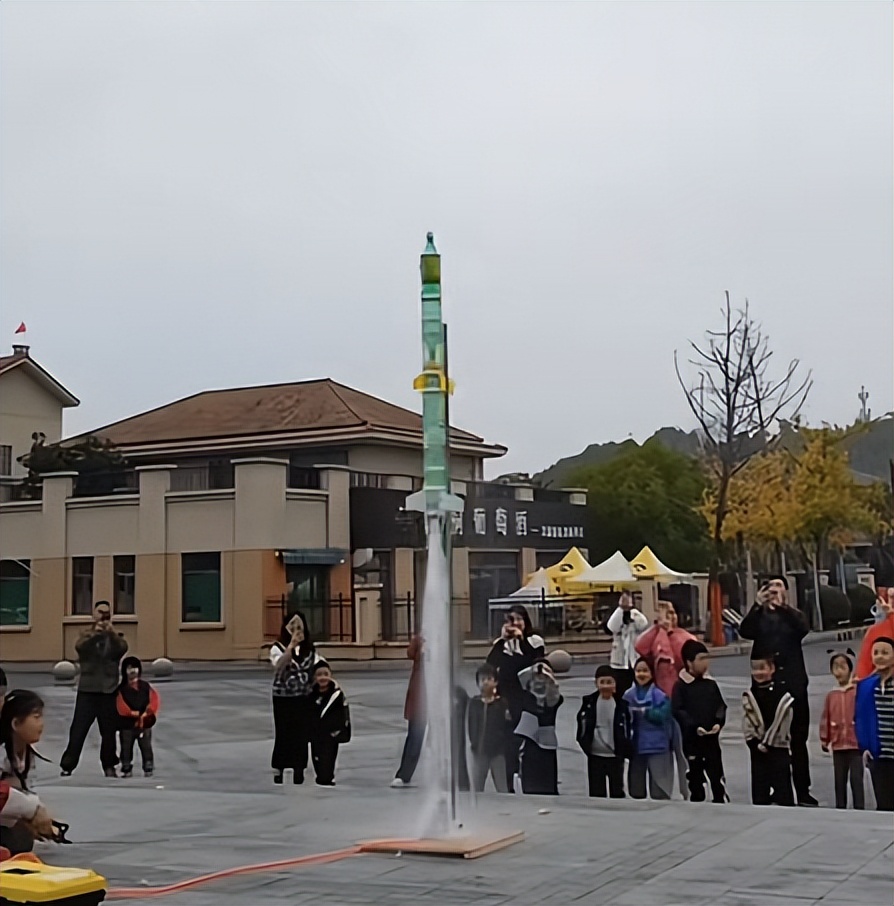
[330,726]
[604,731]
[874,722]
[700,710]
[541,700]
[837,732]
[652,735]
[138,705]
[767,727]
[488,725]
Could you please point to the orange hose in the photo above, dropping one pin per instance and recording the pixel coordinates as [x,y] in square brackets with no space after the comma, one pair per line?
[141,893]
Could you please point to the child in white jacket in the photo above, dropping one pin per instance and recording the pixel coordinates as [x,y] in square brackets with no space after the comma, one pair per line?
[626,624]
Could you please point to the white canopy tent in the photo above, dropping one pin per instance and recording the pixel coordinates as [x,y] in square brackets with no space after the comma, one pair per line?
[537,586]
[613,573]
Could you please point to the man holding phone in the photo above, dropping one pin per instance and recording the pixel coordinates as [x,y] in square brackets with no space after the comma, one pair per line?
[778,630]
[100,649]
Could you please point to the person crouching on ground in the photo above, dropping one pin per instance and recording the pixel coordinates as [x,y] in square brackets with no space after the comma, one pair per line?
[138,705]
[650,710]
[874,722]
[604,732]
[700,710]
[331,724]
[538,759]
[766,725]
[23,819]
[488,723]
[837,733]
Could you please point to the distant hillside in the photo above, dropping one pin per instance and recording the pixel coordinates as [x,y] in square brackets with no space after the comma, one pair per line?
[870,453]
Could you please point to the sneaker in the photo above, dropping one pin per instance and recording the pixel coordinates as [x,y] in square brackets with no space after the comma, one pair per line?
[808,802]
[110,772]
[398,784]
[148,772]
[325,782]
[65,773]
[125,772]
[277,777]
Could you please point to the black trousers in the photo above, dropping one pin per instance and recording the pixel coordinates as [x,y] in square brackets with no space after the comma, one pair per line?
[539,769]
[800,757]
[409,758]
[90,707]
[704,759]
[324,751]
[623,679]
[848,764]
[291,726]
[602,770]
[143,738]
[882,772]
[771,776]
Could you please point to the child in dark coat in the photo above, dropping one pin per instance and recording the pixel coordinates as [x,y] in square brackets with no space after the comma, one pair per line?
[604,732]
[330,724]
[700,710]
[138,705]
[767,728]
[538,758]
[489,722]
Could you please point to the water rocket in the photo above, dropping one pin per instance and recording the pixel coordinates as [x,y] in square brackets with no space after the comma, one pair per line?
[435,499]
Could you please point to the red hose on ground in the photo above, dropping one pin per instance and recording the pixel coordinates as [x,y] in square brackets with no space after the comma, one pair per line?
[142,893]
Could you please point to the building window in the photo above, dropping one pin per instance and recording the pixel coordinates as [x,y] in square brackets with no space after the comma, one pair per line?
[125,576]
[200,588]
[15,592]
[5,459]
[82,586]
[492,574]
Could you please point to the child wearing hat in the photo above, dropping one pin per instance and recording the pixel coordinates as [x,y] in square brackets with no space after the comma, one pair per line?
[700,710]
[874,722]
[837,733]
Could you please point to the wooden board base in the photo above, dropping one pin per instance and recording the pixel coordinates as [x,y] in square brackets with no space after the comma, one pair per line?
[468,846]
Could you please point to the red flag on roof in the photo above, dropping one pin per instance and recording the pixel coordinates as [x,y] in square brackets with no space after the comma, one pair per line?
[21,328]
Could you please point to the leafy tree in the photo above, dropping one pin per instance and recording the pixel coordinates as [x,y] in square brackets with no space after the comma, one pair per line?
[647,495]
[99,464]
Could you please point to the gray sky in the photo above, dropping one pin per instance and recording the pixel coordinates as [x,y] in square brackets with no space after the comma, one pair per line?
[201,195]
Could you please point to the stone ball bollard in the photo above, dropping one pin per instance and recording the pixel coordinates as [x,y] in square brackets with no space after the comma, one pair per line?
[162,667]
[64,673]
[560,661]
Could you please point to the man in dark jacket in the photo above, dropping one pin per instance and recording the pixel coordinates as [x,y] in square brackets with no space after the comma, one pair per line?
[100,649]
[777,630]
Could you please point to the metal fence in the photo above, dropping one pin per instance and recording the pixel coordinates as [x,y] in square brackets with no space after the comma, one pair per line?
[556,617]
[328,620]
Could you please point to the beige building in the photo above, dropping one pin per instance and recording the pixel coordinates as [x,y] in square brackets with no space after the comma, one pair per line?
[239,505]
[31,401]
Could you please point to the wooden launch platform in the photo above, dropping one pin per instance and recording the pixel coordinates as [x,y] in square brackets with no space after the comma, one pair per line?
[462,846]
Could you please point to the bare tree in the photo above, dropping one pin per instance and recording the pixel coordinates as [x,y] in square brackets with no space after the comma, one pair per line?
[737,401]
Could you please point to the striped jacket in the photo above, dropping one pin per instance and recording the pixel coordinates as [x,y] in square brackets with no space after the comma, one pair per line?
[776,736]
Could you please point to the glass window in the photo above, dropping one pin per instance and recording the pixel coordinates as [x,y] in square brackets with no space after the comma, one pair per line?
[15,592]
[82,586]
[200,588]
[491,575]
[5,459]
[125,582]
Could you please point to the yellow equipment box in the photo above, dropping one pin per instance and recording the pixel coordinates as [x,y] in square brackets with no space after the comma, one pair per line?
[25,879]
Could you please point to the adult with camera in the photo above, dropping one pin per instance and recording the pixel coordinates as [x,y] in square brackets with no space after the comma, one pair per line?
[626,625]
[100,649]
[777,630]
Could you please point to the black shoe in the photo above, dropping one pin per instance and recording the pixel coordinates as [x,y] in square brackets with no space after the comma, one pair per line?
[110,772]
[65,773]
[325,782]
[148,772]
[277,777]
[297,777]
[808,802]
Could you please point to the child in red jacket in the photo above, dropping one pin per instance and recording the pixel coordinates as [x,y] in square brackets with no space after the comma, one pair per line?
[138,705]
[837,733]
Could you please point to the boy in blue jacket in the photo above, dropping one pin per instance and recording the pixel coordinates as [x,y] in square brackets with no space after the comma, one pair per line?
[874,722]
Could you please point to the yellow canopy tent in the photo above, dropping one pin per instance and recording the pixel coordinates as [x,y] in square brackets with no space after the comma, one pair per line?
[646,565]
[614,573]
[571,565]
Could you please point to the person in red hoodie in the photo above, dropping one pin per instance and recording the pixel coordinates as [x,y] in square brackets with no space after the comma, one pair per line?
[884,628]
[138,705]
[414,714]
[837,733]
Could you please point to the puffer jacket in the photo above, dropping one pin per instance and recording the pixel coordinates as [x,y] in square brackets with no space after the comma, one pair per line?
[99,654]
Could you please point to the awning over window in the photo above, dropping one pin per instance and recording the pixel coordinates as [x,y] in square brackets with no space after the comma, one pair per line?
[324,556]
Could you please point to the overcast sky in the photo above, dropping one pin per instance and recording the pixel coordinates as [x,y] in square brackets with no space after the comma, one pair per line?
[204,195]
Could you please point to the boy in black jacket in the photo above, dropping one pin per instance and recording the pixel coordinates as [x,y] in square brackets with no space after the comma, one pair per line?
[489,723]
[766,725]
[331,724]
[700,711]
[604,732]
